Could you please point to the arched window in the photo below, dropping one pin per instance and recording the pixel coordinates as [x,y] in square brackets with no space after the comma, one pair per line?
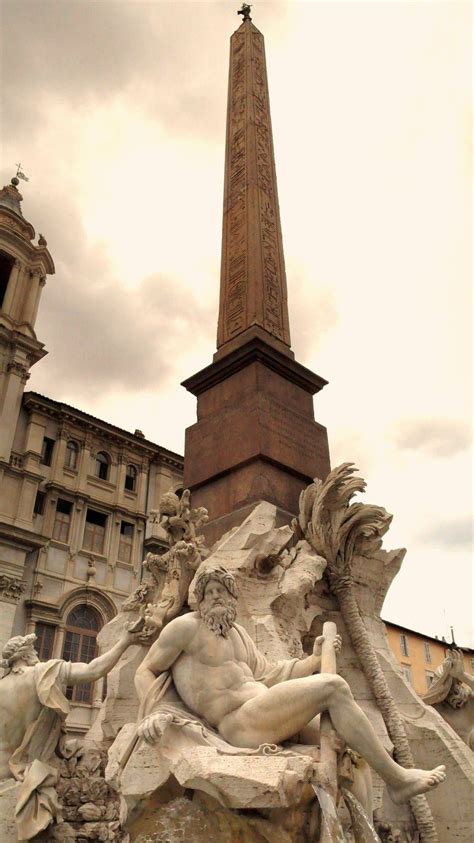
[131,478]
[102,465]
[80,645]
[72,450]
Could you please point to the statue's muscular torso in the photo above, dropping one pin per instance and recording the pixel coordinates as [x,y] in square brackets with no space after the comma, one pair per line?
[19,706]
[211,673]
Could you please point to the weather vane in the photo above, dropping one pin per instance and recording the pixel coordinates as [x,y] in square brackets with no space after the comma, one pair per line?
[245,11]
[19,175]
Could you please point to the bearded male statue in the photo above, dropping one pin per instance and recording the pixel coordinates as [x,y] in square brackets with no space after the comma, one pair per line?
[220,676]
[33,708]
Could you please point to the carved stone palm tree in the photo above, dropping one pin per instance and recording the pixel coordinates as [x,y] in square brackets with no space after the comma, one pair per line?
[339,530]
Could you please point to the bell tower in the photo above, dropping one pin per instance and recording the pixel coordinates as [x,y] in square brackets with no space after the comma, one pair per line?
[255,438]
[23,270]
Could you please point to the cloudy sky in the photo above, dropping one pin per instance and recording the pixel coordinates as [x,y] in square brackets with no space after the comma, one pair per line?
[117,112]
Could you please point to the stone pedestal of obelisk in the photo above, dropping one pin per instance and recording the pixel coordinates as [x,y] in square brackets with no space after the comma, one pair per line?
[255,437]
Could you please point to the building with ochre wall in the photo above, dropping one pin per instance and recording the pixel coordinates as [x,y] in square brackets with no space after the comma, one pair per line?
[419,655]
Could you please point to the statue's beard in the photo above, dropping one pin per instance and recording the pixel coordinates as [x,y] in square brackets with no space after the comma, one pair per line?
[219,618]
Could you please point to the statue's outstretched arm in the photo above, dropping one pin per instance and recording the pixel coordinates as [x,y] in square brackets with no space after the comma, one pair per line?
[81,672]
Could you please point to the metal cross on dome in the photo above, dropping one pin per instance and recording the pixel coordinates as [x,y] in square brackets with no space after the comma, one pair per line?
[245,11]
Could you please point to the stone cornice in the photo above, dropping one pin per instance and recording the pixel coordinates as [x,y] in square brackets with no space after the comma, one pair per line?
[17,536]
[19,233]
[255,350]
[32,401]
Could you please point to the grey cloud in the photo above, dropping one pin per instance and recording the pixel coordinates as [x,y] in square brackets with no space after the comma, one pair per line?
[436,437]
[104,337]
[78,52]
[101,335]
[452,535]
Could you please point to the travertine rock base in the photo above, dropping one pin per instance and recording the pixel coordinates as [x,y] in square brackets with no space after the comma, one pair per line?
[200,821]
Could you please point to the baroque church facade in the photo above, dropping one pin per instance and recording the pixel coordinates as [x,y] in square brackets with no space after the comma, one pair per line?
[75,491]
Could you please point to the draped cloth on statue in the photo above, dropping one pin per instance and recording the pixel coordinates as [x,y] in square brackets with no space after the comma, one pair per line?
[37,803]
[439,689]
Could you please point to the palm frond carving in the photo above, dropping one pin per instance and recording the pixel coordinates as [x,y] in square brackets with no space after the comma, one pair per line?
[339,529]
[336,528]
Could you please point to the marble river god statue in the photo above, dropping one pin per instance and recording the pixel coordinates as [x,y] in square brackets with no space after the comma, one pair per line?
[220,676]
[33,708]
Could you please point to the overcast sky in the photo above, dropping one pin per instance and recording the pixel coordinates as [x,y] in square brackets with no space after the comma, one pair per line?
[117,112]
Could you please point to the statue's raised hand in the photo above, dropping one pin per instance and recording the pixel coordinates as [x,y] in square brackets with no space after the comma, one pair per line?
[457,664]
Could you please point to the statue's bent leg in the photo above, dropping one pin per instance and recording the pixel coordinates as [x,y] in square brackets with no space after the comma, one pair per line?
[287,708]
[281,711]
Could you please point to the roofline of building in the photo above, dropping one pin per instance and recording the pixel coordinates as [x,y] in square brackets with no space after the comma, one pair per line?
[59,406]
[425,635]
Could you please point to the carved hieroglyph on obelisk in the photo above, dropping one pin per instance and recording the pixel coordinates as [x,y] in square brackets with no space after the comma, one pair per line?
[255,438]
[253,281]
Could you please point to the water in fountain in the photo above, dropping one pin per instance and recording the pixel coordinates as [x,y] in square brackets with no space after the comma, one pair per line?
[362,827]
[329,815]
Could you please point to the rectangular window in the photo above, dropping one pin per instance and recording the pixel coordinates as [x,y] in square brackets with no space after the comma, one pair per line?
[94,531]
[430,677]
[47,451]
[403,645]
[44,640]
[126,542]
[427,652]
[62,521]
[38,508]
[406,670]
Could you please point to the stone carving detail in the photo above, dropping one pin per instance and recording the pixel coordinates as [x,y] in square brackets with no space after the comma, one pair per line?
[252,252]
[179,521]
[90,807]
[11,588]
[18,368]
[160,598]
[452,692]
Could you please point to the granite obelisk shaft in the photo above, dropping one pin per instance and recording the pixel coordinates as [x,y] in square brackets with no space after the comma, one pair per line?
[253,282]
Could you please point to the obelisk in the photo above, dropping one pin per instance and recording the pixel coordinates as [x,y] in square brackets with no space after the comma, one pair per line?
[255,438]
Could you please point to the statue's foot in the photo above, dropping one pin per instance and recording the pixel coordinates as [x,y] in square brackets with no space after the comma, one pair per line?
[415,782]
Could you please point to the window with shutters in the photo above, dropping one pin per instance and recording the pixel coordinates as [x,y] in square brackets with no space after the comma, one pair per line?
[62,521]
[131,478]
[125,542]
[102,465]
[47,449]
[72,452]
[94,531]
[403,645]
